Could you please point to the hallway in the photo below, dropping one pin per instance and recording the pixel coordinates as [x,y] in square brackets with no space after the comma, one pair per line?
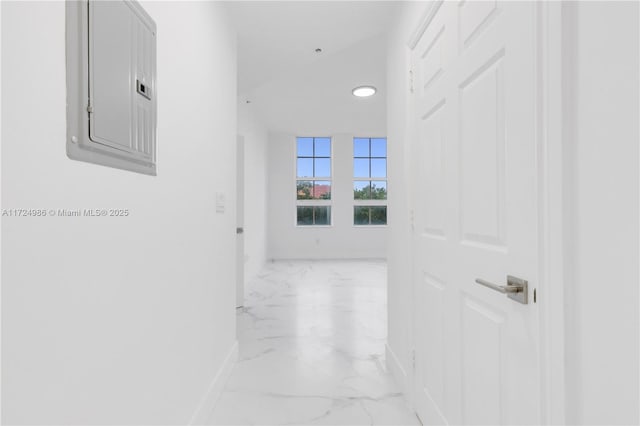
[311,339]
[213,154]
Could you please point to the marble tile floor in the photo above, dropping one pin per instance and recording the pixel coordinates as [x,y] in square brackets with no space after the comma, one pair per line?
[311,349]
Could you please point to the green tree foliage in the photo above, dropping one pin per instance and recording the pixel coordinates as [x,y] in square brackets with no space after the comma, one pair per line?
[362,194]
[370,215]
[378,215]
[304,190]
[305,215]
[370,192]
[361,215]
[378,193]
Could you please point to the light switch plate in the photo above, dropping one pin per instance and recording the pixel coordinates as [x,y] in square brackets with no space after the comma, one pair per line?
[220,202]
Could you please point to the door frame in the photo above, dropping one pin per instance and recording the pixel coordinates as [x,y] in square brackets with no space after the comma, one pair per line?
[549,182]
[240,219]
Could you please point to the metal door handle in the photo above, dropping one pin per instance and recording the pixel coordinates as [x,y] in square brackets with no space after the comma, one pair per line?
[499,288]
[239,230]
[516,288]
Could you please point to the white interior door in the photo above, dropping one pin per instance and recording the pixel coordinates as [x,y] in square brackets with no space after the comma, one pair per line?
[476,359]
[240,222]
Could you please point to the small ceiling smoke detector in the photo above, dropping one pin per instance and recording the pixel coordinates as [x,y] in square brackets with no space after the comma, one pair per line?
[364,91]
[318,50]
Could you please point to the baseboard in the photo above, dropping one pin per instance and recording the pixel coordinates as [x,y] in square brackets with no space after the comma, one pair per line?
[205,408]
[399,374]
[432,413]
[325,259]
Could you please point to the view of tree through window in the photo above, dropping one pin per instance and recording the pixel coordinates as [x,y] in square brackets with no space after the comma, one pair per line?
[370,181]
[313,181]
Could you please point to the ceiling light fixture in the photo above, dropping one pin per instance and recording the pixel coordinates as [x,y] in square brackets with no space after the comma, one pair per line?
[364,91]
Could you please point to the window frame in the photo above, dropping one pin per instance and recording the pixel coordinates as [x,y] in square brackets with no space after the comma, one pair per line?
[313,202]
[371,202]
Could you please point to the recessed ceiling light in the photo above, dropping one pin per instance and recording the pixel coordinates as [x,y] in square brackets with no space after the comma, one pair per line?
[364,91]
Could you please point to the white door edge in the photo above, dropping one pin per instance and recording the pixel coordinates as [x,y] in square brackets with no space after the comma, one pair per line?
[550,181]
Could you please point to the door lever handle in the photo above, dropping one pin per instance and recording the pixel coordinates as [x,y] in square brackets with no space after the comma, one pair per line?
[499,288]
[516,288]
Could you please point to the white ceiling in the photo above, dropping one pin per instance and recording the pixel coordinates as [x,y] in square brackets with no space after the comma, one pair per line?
[294,89]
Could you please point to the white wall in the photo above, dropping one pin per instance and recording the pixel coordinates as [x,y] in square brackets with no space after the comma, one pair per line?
[342,239]
[117,320]
[601,146]
[256,140]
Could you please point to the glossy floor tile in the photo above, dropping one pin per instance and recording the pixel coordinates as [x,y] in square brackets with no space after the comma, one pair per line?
[312,336]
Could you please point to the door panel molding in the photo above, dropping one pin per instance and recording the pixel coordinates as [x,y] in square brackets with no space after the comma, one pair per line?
[424,22]
[485,13]
[485,358]
[485,223]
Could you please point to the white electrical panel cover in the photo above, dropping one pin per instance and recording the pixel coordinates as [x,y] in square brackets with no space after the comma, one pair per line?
[111,84]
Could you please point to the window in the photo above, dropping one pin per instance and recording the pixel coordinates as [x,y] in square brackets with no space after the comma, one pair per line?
[313,181]
[370,181]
